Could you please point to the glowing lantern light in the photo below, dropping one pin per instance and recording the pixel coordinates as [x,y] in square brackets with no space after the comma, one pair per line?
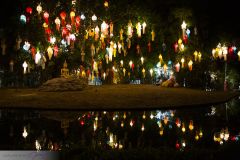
[46,16]
[144,116]
[165,67]
[176,47]
[106,4]
[111,29]
[78,20]
[144,27]
[114,49]
[11,63]
[121,63]
[183,144]
[183,128]
[130,30]
[226,134]
[142,60]
[160,58]
[143,128]
[122,124]
[124,72]
[195,55]
[55,50]
[25,133]
[151,72]
[130,64]
[188,32]
[50,52]
[83,17]
[104,28]
[177,66]
[52,40]
[199,56]
[165,120]
[225,52]
[24,65]
[72,16]
[182,61]
[213,53]
[196,137]
[183,26]
[26,46]
[57,22]
[143,72]
[177,145]
[104,75]
[161,132]
[191,127]
[190,63]
[238,55]
[200,133]
[153,35]
[96,30]
[23,18]
[29,10]
[151,116]
[139,28]
[63,15]
[131,123]
[94,17]
[39,8]
[179,41]
[178,122]
[37,57]
[182,47]
[37,145]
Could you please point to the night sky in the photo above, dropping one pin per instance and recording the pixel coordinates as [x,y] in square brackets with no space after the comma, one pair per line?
[223,17]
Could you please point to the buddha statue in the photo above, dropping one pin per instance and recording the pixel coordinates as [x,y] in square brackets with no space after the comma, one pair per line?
[65,70]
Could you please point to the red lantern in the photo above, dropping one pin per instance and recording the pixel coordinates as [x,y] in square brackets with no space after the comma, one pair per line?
[185,39]
[33,51]
[55,50]
[63,16]
[78,20]
[46,16]
[176,47]
[64,31]
[177,145]
[29,10]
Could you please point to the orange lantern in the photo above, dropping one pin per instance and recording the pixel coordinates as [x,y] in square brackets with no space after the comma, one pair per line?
[72,16]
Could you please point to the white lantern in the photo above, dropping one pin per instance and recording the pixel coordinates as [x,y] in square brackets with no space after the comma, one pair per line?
[25,65]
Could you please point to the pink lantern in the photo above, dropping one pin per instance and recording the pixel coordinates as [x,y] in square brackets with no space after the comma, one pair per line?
[55,50]
[177,66]
[176,47]
[46,16]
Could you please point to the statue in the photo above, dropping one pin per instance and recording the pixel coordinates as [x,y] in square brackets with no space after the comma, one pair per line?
[65,70]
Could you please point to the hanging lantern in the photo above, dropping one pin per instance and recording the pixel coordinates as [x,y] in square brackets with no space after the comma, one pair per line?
[130,30]
[144,27]
[110,53]
[37,57]
[39,8]
[160,59]
[142,60]
[130,64]
[153,35]
[195,56]
[199,56]
[106,4]
[124,72]
[78,20]
[176,47]
[182,61]
[121,63]
[96,33]
[179,41]
[72,16]
[138,48]
[165,120]
[104,28]
[191,127]
[121,34]
[214,53]
[131,123]
[111,29]
[161,132]
[46,16]
[24,65]
[55,50]
[183,128]
[94,17]
[23,18]
[165,67]
[196,137]
[143,72]
[177,66]
[184,26]
[52,40]
[238,55]
[190,63]
[11,64]
[139,29]
[119,47]
[33,52]
[142,128]
[114,50]
[178,122]
[225,52]
[92,50]
[151,72]
[129,43]
[57,22]
[82,55]
[29,10]
[50,52]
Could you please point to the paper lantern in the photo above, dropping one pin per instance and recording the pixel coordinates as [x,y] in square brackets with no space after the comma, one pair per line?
[121,34]
[130,64]
[104,28]
[94,17]
[144,27]
[37,57]
[114,50]
[183,128]
[178,122]
[57,22]
[153,35]
[142,60]
[78,20]
[55,50]
[142,128]
[124,72]
[96,31]
[139,29]
[138,49]
[177,66]
[50,52]
[121,63]
[72,16]
[39,8]
[182,61]
[195,55]
[176,47]
[63,15]
[111,29]
[130,29]
[143,72]
[46,16]
[151,72]
[191,127]
[29,10]
[23,18]
[190,65]
[199,56]
[24,65]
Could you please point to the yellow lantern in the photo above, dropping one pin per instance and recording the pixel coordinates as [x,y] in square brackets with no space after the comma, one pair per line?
[122,124]
[191,127]
[165,120]
[45,25]
[143,128]
[196,137]
[190,63]
[199,56]
[143,72]
[124,72]
[142,60]
[179,41]
[50,52]
[130,30]
[182,61]
[213,53]
[114,50]
[195,55]
[165,68]
[96,32]
[144,27]
[121,34]
[161,131]
[130,64]
[72,15]
[160,58]
[238,55]
[153,35]
[139,28]
[183,128]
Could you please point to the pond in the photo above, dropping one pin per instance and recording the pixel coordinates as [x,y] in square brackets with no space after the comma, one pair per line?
[189,133]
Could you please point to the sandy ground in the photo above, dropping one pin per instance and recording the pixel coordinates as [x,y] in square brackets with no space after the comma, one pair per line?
[112,97]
